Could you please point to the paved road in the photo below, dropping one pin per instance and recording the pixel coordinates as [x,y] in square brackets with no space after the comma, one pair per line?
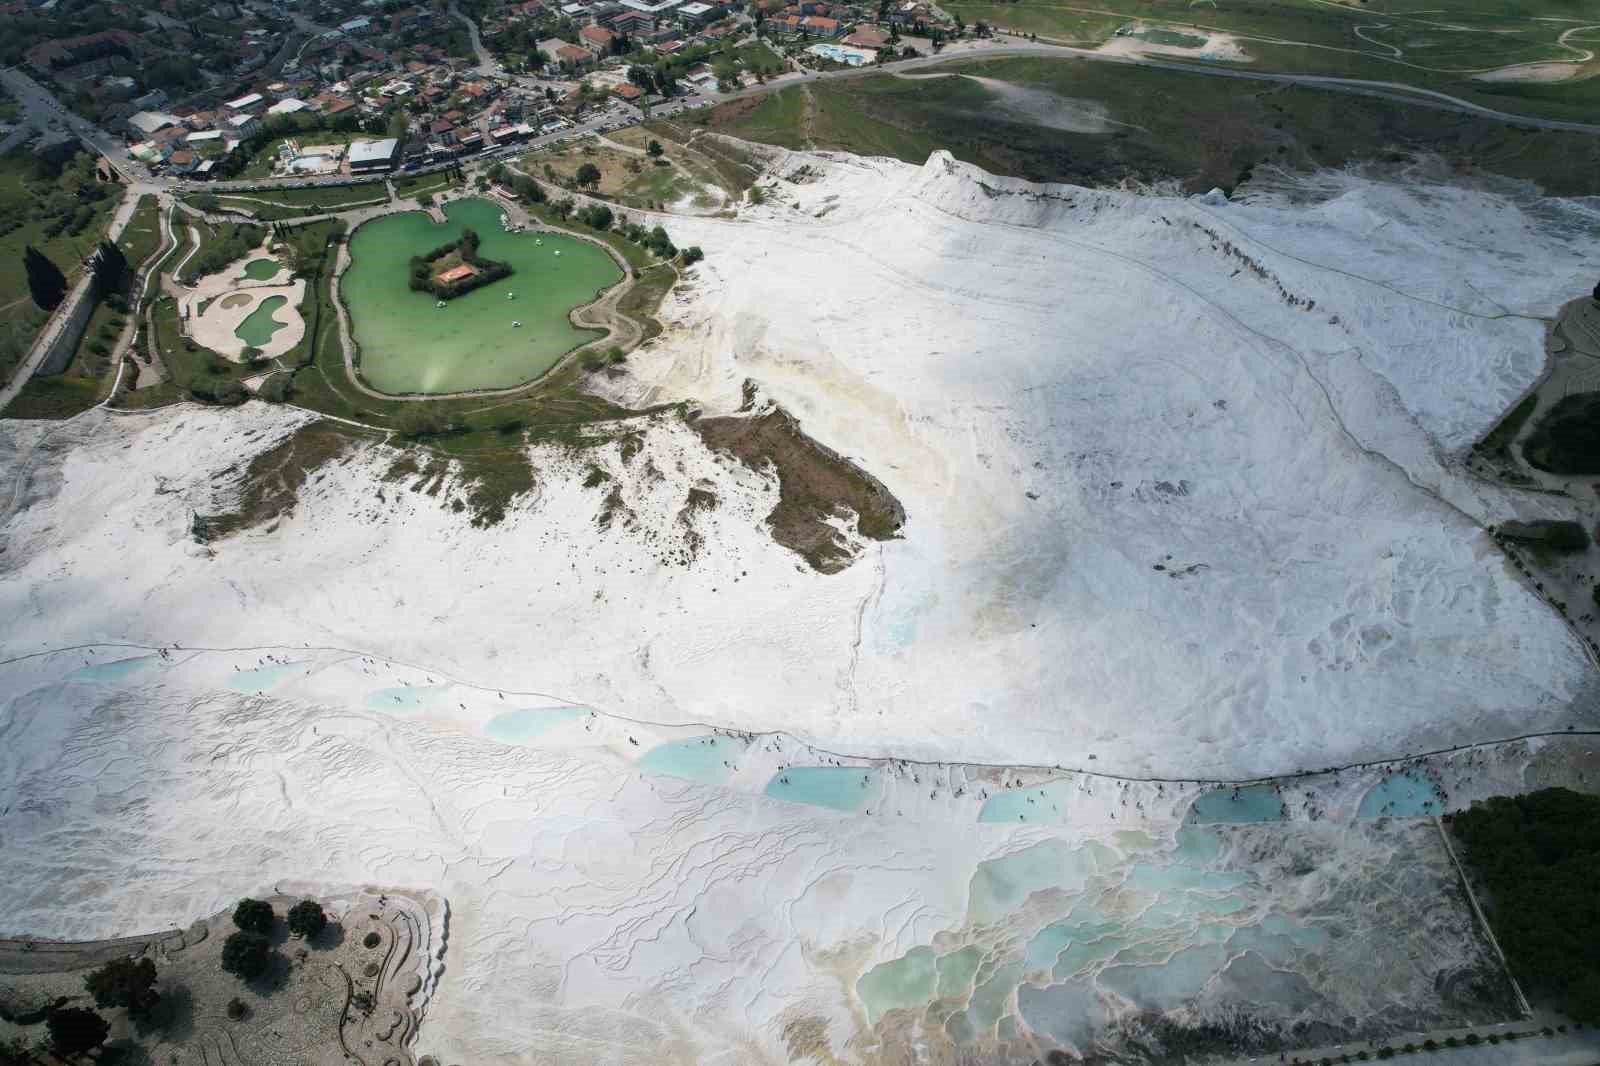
[42,108]
[486,64]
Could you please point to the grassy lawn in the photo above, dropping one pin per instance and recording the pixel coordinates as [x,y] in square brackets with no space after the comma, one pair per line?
[89,374]
[323,196]
[1157,115]
[190,367]
[142,236]
[61,396]
[25,199]
[635,180]
[425,183]
[309,245]
[1438,46]
[641,301]
[272,211]
[276,204]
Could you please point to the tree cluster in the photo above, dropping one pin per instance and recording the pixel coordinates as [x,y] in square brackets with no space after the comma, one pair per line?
[233,242]
[125,983]
[424,270]
[62,189]
[1538,855]
[307,918]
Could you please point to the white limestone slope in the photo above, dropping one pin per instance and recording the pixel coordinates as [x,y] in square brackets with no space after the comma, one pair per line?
[1163,511]
[598,915]
[1069,389]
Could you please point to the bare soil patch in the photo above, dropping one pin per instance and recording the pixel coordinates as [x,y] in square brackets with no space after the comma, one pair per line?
[816,485]
[272,482]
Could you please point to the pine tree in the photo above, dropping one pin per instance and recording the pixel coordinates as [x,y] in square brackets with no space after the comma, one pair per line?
[46,283]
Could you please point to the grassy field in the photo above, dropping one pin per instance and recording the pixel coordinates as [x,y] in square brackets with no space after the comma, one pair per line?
[191,368]
[88,377]
[1439,46]
[273,205]
[425,183]
[1154,116]
[56,397]
[311,252]
[25,201]
[142,235]
[629,178]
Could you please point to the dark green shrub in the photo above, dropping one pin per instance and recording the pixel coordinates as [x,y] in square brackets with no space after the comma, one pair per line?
[245,954]
[75,1030]
[254,916]
[307,918]
[124,983]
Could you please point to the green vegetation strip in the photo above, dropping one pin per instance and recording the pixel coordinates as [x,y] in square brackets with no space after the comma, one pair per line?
[1538,855]
[1149,117]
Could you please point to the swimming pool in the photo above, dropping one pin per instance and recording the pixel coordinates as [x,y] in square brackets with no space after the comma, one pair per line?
[850,57]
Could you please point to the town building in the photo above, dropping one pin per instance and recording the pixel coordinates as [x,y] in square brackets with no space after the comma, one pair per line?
[369,156]
[248,102]
[597,39]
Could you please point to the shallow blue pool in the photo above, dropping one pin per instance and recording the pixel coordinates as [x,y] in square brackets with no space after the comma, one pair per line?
[1257,803]
[103,673]
[262,677]
[844,788]
[403,699]
[526,724]
[1404,795]
[709,759]
[1036,803]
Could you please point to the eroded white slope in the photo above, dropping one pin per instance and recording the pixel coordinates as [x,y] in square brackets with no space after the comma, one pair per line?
[602,916]
[1069,389]
[1173,476]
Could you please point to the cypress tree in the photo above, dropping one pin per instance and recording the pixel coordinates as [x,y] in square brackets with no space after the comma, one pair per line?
[46,283]
[110,268]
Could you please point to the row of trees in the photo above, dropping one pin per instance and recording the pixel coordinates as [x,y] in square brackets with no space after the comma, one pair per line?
[47,285]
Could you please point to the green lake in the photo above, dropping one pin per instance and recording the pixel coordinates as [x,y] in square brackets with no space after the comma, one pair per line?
[410,345]
[259,325]
[261,269]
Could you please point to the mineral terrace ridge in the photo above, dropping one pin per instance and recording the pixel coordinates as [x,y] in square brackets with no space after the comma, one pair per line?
[848,697]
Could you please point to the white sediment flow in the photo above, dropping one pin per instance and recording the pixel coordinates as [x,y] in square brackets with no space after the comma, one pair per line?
[1165,515]
[1157,513]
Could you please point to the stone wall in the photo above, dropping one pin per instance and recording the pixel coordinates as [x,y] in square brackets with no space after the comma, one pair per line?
[65,328]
